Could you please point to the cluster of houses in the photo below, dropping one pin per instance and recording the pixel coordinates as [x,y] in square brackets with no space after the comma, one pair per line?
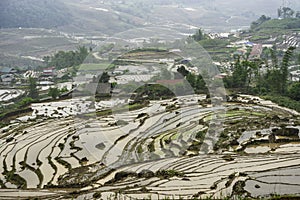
[11,76]
[257,48]
[244,45]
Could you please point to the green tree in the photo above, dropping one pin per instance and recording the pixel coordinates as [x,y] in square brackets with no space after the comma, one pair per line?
[25,101]
[298,59]
[182,70]
[46,59]
[259,21]
[294,91]
[192,79]
[287,12]
[201,84]
[239,74]
[64,59]
[81,53]
[199,35]
[33,91]
[284,69]
[274,58]
[54,92]
[271,81]
[275,80]
[104,78]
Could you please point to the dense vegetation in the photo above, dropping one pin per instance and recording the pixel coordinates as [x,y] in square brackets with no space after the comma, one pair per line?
[287,19]
[248,76]
[267,76]
[288,23]
[32,90]
[63,59]
[258,78]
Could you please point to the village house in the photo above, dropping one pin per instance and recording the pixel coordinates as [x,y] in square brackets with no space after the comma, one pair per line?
[7,79]
[7,75]
[8,70]
[48,73]
[256,51]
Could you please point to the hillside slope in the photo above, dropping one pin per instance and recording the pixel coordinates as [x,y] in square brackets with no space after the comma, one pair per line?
[33,14]
[110,17]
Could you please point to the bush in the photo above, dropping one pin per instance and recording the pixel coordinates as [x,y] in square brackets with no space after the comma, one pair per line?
[123,174]
[168,173]
[25,101]
[61,146]
[294,91]
[200,135]
[54,92]
[97,195]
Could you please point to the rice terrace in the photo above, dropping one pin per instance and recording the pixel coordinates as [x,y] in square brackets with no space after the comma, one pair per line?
[149,100]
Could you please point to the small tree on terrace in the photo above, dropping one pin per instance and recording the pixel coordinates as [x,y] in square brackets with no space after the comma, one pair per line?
[199,35]
[33,91]
[54,92]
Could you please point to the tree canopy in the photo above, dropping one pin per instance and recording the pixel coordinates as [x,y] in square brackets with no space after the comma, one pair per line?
[247,76]
[64,59]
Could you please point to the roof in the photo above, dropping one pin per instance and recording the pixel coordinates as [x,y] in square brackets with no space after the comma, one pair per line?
[256,50]
[249,43]
[220,76]
[46,83]
[7,76]
[7,70]
[49,69]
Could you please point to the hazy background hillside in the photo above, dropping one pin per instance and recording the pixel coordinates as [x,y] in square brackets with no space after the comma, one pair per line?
[33,14]
[32,29]
[86,16]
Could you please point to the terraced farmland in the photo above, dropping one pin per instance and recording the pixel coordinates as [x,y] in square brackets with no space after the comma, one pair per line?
[183,147]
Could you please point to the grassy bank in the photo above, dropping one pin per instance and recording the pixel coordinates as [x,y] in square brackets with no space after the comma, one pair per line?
[284,101]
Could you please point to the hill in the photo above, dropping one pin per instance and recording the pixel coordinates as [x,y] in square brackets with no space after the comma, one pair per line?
[33,14]
[281,24]
[110,17]
[266,28]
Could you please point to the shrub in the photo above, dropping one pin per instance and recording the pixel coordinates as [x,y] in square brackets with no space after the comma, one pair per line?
[200,135]
[25,101]
[294,91]
[168,173]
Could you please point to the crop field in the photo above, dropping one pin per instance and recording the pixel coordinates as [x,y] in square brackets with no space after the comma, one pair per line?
[170,148]
[6,95]
[94,66]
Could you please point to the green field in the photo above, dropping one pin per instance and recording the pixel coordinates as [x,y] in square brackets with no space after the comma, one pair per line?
[94,66]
